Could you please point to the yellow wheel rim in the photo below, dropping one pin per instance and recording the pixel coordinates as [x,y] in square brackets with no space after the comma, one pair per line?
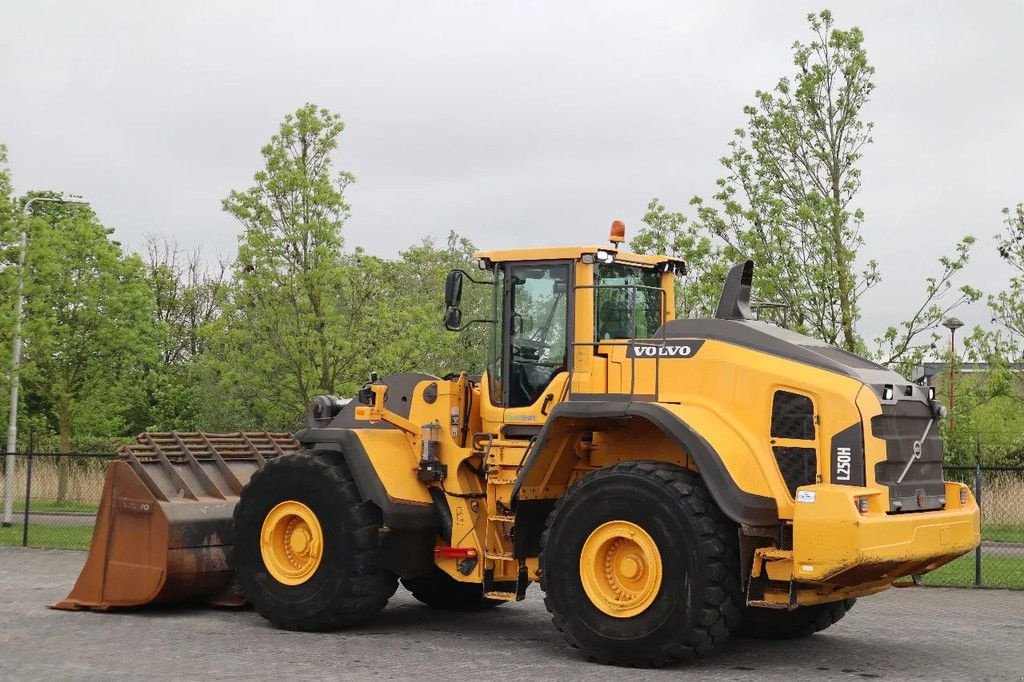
[620,568]
[291,543]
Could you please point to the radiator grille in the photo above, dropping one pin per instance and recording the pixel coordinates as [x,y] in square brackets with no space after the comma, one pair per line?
[793,419]
[799,466]
[792,416]
[899,426]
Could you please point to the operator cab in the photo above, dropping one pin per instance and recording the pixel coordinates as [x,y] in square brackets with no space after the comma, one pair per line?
[552,310]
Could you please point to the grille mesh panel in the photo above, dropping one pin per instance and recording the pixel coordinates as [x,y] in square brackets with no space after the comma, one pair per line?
[792,416]
[799,466]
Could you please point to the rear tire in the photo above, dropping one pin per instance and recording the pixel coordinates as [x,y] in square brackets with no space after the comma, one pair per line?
[762,623]
[438,590]
[344,586]
[685,613]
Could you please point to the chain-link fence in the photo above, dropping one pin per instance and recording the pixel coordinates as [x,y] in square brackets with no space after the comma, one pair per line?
[999,560]
[56,497]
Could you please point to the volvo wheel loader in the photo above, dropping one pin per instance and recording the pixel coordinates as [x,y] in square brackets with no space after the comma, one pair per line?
[668,482]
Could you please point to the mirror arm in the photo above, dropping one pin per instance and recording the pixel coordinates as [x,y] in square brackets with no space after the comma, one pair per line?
[474,281]
[471,323]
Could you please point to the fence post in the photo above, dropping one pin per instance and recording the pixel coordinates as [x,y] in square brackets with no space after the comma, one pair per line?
[28,498]
[28,485]
[977,497]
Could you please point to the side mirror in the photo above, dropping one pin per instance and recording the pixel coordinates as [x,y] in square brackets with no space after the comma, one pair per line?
[453,290]
[453,317]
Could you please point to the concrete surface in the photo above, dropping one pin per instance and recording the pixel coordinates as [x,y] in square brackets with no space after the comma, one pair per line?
[925,633]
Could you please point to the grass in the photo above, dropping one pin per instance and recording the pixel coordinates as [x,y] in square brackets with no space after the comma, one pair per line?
[39,535]
[1002,532]
[52,506]
[996,571]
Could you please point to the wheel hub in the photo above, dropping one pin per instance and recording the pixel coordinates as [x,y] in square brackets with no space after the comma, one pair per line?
[620,568]
[291,542]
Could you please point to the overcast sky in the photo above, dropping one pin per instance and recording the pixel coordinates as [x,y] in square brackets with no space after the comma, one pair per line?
[513,123]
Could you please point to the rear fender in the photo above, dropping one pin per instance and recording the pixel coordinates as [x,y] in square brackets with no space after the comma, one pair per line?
[551,459]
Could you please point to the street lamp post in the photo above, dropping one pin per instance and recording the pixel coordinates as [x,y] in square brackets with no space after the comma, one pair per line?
[952,324]
[19,303]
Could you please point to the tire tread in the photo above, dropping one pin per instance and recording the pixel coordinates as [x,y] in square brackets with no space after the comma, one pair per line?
[366,589]
[721,599]
[762,623]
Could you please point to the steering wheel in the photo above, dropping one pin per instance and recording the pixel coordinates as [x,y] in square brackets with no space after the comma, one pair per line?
[529,349]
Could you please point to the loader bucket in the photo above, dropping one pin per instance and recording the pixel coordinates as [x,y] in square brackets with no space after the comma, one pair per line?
[164,528]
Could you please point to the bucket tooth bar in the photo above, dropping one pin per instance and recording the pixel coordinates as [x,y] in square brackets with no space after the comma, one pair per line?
[164,527]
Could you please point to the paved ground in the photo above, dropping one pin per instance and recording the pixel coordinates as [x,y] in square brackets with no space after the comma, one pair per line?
[925,633]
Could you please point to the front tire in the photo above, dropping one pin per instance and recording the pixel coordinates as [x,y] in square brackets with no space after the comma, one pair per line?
[762,623]
[640,567]
[305,545]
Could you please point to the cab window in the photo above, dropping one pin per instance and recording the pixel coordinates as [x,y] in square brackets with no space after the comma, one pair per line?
[537,329]
[623,307]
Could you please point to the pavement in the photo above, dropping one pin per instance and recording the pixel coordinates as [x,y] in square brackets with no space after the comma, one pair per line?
[916,633]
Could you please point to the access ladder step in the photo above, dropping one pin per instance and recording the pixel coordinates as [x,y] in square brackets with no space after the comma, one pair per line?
[499,556]
[501,596]
[505,518]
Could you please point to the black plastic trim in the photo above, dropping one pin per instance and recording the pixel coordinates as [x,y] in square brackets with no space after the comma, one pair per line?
[847,456]
[520,431]
[531,518]
[737,504]
[399,515]
[612,397]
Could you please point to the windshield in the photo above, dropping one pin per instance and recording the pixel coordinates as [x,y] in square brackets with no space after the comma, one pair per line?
[627,301]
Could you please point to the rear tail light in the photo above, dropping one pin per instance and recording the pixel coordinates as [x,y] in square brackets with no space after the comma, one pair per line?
[963,497]
[862,505]
[442,552]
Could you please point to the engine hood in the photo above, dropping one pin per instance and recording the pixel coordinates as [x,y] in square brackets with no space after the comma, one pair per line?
[774,340]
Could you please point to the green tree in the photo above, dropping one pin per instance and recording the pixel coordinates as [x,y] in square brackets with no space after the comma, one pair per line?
[284,338]
[9,238]
[1008,306]
[88,327]
[787,200]
[989,409]
[187,293]
[906,344]
[418,339]
[669,232]
[791,179]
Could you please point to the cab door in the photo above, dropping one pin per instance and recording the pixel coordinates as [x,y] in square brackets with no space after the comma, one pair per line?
[536,335]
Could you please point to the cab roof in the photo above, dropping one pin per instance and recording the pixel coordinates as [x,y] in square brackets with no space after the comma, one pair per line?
[569,252]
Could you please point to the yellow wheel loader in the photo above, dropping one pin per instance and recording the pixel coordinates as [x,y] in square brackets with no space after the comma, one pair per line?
[668,482]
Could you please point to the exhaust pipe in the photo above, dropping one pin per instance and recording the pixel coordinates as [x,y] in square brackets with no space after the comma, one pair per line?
[735,301]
